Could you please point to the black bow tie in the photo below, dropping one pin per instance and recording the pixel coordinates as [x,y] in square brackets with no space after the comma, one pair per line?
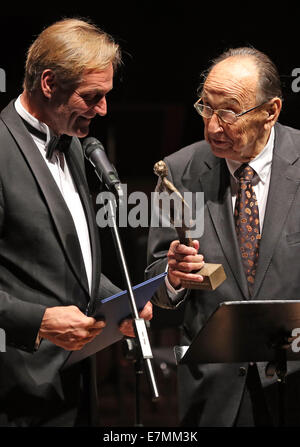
[60,143]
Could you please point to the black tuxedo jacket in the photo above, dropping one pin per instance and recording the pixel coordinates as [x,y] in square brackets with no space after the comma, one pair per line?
[210,395]
[41,266]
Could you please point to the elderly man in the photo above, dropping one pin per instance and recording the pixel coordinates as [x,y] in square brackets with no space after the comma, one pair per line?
[249,170]
[50,273]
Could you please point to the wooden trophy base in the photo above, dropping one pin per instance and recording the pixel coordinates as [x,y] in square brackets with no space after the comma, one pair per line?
[213,276]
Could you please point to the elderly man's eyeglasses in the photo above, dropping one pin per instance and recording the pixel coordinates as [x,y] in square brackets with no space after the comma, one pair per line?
[227,116]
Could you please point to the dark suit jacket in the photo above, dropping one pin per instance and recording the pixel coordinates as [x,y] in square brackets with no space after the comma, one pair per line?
[41,266]
[210,395]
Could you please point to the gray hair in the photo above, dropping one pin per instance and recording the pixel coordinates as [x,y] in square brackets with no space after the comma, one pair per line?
[269,79]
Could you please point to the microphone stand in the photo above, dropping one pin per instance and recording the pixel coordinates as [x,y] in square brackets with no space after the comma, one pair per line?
[143,344]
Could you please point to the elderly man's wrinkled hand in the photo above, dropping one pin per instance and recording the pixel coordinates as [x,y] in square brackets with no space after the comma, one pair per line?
[183,261]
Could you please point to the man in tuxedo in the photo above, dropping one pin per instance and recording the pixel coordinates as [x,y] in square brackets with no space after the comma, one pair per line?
[50,267]
[248,167]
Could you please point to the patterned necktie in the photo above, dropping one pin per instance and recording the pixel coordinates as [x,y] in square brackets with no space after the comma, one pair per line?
[247,222]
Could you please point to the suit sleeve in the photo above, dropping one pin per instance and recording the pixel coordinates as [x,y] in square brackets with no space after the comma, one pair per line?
[19,319]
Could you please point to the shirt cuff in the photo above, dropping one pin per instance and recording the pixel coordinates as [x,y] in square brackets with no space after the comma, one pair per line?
[175,295]
[171,288]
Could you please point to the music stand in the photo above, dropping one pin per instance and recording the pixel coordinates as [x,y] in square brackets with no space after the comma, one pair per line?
[248,331]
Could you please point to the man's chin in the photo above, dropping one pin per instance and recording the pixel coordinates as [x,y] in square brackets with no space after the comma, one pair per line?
[222,152]
[81,132]
[231,155]
[82,127]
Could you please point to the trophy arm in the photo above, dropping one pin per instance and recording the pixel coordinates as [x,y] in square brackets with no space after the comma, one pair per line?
[164,185]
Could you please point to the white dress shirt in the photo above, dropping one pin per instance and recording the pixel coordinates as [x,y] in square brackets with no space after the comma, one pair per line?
[262,166]
[64,181]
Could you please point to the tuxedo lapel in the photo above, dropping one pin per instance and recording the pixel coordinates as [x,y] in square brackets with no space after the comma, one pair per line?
[215,181]
[57,207]
[285,179]
[73,159]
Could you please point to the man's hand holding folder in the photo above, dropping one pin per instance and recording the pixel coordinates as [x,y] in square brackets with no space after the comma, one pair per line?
[126,327]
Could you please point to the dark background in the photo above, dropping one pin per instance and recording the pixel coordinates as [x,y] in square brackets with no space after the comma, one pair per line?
[166,45]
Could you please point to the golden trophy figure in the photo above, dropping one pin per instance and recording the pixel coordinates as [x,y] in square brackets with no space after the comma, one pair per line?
[213,274]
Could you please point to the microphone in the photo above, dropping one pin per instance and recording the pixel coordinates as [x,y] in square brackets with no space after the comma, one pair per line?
[95,153]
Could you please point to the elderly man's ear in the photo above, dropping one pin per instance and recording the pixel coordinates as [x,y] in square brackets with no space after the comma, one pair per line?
[272,109]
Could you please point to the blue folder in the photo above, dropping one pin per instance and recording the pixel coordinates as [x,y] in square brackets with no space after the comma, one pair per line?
[114,309]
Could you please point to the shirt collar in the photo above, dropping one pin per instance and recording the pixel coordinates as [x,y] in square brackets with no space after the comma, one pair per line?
[39,125]
[261,164]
